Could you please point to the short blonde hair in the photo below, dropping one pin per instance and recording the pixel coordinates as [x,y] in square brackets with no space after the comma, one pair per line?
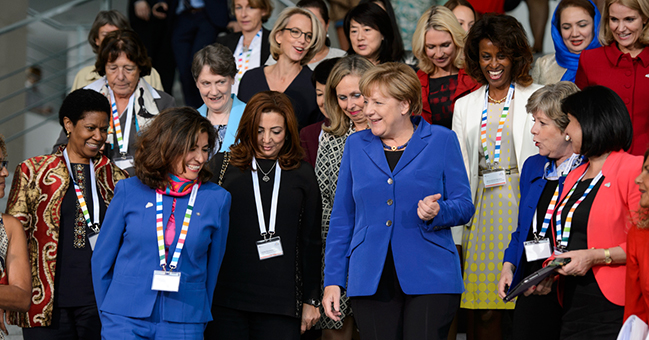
[548,100]
[351,65]
[317,31]
[396,80]
[605,33]
[441,19]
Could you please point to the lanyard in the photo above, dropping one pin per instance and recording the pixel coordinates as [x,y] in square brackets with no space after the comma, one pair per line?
[244,57]
[122,139]
[273,203]
[566,230]
[183,232]
[501,124]
[82,202]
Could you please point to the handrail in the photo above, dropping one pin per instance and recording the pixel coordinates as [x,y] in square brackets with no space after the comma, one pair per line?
[53,56]
[287,3]
[31,128]
[47,14]
[56,24]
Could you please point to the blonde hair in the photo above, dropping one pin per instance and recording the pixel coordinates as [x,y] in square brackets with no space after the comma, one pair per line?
[440,19]
[396,80]
[317,31]
[352,65]
[641,6]
[548,100]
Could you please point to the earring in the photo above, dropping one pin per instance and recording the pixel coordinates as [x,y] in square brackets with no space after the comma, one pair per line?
[567,138]
[67,134]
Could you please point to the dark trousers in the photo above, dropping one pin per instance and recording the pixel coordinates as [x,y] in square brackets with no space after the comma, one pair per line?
[73,323]
[192,32]
[537,317]
[390,314]
[241,325]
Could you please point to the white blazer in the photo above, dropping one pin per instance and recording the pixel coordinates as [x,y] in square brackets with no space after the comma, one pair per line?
[467,117]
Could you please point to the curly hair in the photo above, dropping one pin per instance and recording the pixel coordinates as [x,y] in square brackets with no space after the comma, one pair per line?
[246,145]
[164,143]
[127,42]
[79,102]
[508,35]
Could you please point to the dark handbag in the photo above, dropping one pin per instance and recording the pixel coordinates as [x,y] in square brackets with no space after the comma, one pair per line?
[536,277]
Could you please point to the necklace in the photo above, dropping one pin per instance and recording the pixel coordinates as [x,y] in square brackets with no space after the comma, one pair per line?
[497,101]
[265,178]
[400,147]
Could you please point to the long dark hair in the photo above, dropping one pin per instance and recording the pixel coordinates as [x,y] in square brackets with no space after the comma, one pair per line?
[372,15]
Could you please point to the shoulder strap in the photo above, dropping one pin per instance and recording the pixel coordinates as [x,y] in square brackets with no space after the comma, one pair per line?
[224,166]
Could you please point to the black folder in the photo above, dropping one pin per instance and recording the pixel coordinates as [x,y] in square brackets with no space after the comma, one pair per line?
[536,277]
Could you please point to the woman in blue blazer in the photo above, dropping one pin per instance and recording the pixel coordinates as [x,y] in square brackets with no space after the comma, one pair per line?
[158,255]
[401,186]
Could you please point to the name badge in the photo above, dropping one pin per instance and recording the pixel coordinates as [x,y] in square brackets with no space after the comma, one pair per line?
[165,281]
[270,248]
[494,178]
[124,162]
[92,238]
[537,250]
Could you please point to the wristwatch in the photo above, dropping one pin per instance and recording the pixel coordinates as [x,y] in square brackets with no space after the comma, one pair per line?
[607,257]
[313,302]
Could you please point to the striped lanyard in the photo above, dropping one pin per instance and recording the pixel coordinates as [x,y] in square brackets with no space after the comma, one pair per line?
[244,57]
[82,202]
[565,235]
[183,232]
[122,139]
[501,124]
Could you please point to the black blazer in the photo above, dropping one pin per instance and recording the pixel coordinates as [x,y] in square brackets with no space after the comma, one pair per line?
[217,12]
[232,39]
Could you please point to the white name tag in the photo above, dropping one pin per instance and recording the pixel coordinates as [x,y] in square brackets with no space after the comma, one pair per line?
[270,248]
[537,250]
[92,238]
[494,178]
[165,281]
[124,162]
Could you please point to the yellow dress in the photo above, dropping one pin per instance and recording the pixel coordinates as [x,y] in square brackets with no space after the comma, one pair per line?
[496,217]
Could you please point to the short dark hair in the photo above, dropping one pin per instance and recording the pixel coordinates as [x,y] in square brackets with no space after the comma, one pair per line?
[372,15]
[112,17]
[218,57]
[128,42]
[322,71]
[167,139]
[604,119]
[79,102]
[397,43]
[246,146]
[319,4]
[506,33]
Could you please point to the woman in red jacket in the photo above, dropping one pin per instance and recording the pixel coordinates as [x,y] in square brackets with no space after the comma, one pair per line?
[622,63]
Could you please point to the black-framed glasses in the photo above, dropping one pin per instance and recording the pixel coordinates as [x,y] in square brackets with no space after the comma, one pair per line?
[3,165]
[297,33]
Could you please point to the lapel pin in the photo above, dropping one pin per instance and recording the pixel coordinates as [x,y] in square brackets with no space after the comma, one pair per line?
[149,205]
[647,75]
[608,185]
[198,214]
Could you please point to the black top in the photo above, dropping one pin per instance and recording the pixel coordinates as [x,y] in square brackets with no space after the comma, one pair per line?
[579,229]
[541,209]
[301,93]
[393,158]
[281,284]
[73,277]
[232,40]
[439,96]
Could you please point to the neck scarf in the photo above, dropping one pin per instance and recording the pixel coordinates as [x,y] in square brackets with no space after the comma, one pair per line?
[552,172]
[564,57]
[143,104]
[178,187]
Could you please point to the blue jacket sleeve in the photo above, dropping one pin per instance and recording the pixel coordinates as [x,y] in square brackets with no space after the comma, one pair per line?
[456,205]
[108,243]
[217,248]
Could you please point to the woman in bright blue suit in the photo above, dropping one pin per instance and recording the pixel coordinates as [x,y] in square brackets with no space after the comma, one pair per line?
[400,188]
[150,287]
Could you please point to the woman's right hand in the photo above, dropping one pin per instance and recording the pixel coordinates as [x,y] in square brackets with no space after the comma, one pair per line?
[332,297]
[506,277]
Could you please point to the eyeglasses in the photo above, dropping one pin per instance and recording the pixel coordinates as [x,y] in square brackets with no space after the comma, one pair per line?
[297,33]
[3,165]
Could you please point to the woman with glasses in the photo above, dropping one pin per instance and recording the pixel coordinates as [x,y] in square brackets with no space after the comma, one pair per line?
[295,39]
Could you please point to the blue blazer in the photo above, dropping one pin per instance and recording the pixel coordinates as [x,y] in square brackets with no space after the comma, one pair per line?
[233,122]
[126,253]
[375,207]
[532,184]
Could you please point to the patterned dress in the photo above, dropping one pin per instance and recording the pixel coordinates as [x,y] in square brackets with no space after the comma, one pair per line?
[4,242]
[496,217]
[327,166]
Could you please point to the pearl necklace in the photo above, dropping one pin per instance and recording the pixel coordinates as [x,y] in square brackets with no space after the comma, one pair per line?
[497,101]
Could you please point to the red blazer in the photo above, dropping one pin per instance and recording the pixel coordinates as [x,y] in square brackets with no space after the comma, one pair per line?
[628,77]
[310,139]
[465,85]
[637,274]
[610,215]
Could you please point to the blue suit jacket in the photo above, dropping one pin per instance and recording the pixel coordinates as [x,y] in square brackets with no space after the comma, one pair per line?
[375,207]
[126,253]
[233,122]
[532,184]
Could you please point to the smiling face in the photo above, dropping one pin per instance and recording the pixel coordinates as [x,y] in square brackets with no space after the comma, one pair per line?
[365,40]
[122,75]
[320,97]
[643,184]
[4,172]
[189,166]
[574,131]
[248,18]
[295,48]
[440,49]
[351,100]
[271,135]
[87,136]
[549,138]
[465,17]
[495,65]
[626,25]
[385,113]
[215,90]
[576,29]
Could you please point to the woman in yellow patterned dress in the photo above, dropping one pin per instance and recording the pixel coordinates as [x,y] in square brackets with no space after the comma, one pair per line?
[493,129]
